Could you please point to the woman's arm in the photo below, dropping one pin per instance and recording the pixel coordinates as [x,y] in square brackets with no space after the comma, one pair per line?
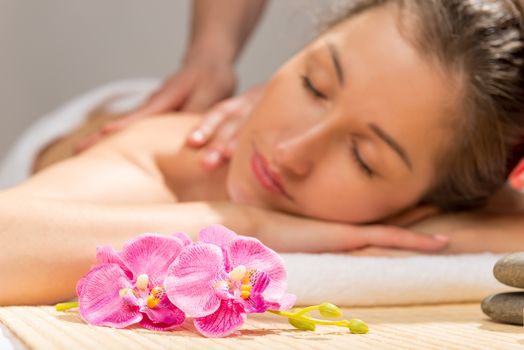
[48,244]
[496,228]
[475,232]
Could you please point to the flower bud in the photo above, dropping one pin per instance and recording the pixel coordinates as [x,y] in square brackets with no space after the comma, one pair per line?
[329,310]
[302,324]
[358,326]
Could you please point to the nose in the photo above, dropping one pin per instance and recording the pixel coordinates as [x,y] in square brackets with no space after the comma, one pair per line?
[298,152]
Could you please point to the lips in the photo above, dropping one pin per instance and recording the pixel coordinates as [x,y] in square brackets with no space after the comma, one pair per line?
[269,181]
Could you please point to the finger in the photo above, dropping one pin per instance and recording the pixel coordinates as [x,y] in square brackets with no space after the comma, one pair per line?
[212,159]
[215,158]
[204,131]
[219,150]
[211,121]
[222,136]
[396,237]
[171,96]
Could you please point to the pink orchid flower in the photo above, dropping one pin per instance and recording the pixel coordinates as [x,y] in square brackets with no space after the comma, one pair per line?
[128,286]
[224,276]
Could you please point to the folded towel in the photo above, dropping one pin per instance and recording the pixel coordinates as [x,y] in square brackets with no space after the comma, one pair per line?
[371,281]
[341,279]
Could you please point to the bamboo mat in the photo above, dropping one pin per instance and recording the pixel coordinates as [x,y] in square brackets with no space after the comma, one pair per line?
[461,326]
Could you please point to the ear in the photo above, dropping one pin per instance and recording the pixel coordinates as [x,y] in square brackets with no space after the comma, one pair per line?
[412,215]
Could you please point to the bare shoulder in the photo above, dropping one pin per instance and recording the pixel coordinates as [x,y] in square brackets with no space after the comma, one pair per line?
[121,169]
[150,134]
[164,133]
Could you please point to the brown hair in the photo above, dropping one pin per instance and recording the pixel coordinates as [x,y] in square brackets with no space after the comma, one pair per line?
[480,41]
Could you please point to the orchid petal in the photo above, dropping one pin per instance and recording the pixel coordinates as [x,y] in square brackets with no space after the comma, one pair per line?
[256,304]
[183,237]
[225,320]
[107,255]
[190,279]
[151,254]
[163,317]
[285,302]
[217,234]
[251,253]
[261,282]
[99,299]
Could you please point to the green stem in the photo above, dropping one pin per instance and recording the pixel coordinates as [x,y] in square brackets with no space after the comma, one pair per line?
[355,326]
[306,310]
[299,316]
[66,306]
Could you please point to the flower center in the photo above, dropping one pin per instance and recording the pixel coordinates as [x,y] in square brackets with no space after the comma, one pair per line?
[240,279]
[141,291]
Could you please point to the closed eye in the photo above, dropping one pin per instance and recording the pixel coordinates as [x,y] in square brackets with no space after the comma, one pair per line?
[308,85]
[360,162]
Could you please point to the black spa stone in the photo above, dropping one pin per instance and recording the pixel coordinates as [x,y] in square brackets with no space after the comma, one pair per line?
[504,307]
[510,270]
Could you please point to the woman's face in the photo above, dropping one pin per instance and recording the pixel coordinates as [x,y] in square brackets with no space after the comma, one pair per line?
[349,129]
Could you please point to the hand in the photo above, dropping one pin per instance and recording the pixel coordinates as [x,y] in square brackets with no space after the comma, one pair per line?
[199,84]
[289,233]
[219,127]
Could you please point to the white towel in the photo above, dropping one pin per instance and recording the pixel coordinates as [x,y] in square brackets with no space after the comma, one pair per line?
[314,278]
[372,281]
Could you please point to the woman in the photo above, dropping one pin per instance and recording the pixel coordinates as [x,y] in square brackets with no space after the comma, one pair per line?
[374,119]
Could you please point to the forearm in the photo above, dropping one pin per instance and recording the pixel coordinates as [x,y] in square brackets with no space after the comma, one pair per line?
[476,232]
[221,27]
[47,245]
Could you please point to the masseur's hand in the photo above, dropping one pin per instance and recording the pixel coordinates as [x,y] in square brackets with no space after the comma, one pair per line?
[200,83]
[289,233]
[219,127]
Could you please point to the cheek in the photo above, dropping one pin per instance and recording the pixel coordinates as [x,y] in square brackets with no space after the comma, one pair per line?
[330,198]
[342,194]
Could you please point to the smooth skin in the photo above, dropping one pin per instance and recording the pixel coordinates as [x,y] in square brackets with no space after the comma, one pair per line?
[144,179]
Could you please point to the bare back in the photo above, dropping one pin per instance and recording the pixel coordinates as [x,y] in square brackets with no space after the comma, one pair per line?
[145,163]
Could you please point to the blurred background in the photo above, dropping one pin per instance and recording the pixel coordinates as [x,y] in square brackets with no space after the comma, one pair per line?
[54,50]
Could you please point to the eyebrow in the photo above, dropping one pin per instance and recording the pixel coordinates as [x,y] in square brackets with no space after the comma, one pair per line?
[392,144]
[336,62]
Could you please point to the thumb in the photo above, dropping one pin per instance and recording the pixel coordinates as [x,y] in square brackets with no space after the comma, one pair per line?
[171,96]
